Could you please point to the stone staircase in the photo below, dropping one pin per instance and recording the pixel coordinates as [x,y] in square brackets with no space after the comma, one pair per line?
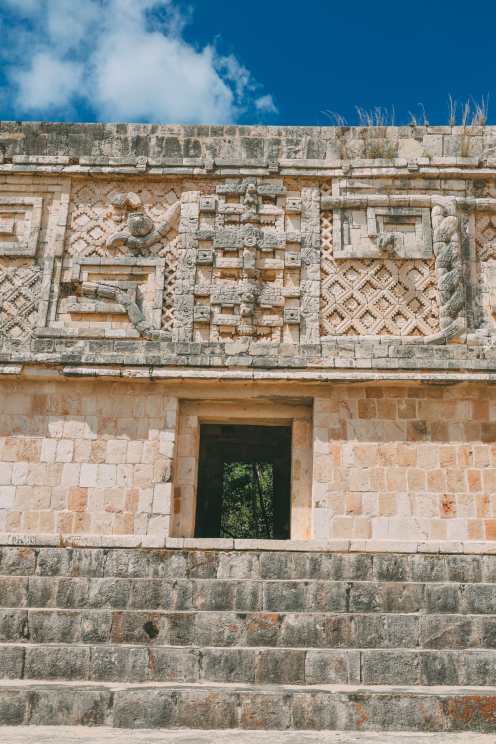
[136,638]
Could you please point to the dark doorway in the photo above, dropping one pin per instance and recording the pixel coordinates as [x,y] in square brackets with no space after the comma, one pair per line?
[244,482]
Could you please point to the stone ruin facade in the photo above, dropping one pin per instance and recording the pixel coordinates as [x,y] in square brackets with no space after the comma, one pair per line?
[320,301]
[342,281]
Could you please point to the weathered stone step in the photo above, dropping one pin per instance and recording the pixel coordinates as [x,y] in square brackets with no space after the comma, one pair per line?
[348,708]
[106,735]
[270,629]
[248,595]
[152,563]
[281,666]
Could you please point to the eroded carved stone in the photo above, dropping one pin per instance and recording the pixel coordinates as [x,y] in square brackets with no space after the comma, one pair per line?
[140,232]
[446,224]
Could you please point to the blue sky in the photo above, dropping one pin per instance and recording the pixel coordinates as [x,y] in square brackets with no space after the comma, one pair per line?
[244,61]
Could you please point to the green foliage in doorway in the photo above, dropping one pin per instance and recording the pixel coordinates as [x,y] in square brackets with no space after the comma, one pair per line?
[247,500]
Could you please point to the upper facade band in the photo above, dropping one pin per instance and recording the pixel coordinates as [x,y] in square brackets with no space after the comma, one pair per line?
[370,249]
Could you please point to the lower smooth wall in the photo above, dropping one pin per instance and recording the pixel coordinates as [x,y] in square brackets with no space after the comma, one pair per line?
[85,457]
[411,462]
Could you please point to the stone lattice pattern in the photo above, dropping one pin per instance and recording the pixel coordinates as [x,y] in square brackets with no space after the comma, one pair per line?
[375,297]
[92,220]
[19,295]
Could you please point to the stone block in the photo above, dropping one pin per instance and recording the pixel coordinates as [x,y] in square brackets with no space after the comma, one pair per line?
[11,662]
[480,599]
[13,625]
[96,626]
[60,626]
[284,596]
[260,710]
[443,598]
[239,565]
[19,561]
[229,665]
[316,711]
[137,627]
[73,706]
[451,631]
[155,594]
[110,593]
[174,664]
[332,667]
[439,668]
[13,591]
[279,666]
[213,595]
[119,663]
[139,709]
[207,709]
[219,629]
[57,662]
[390,667]
[323,596]
[14,707]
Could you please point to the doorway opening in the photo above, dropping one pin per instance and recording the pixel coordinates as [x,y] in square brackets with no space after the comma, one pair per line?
[244,482]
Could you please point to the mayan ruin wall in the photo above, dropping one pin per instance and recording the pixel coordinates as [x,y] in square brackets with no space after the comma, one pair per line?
[340,282]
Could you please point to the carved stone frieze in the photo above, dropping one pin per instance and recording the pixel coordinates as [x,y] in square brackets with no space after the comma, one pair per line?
[120,268]
[398,267]
[255,254]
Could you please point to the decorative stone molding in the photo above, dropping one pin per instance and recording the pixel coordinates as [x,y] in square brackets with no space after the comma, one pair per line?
[119,286]
[20,223]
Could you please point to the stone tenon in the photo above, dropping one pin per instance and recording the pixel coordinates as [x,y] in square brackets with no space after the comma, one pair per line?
[340,282]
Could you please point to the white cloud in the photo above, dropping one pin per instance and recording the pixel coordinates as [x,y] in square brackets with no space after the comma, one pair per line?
[265,104]
[48,84]
[129,61]
[69,22]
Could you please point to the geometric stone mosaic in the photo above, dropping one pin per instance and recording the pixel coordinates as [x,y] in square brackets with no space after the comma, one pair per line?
[379,297]
[19,294]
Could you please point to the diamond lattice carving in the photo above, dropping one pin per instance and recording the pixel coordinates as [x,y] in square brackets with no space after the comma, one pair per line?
[19,295]
[376,296]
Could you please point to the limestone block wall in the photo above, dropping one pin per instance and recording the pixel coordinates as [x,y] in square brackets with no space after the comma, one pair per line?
[85,458]
[405,463]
